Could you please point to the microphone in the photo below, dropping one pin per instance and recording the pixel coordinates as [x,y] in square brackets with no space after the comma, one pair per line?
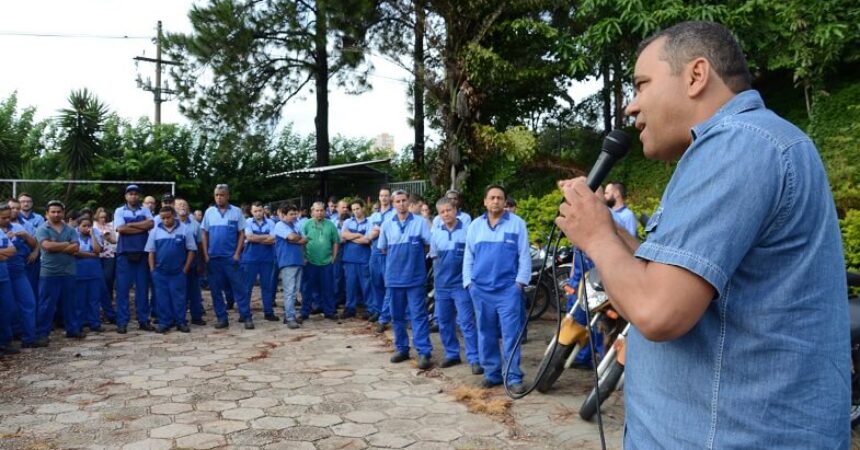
[615,146]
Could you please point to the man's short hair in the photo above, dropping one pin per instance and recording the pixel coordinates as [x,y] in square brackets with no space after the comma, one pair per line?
[357,201]
[385,188]
[620,188]
[687,41]
[167,209]
[400,192]
[258,204]
[222,187]
[444,201]
[333,199]
[24,194]
[495,186]
[510,202]
[415,199]
[287,208]
[12,200]
[54,203]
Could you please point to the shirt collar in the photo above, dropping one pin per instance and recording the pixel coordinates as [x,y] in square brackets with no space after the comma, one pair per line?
[742,102]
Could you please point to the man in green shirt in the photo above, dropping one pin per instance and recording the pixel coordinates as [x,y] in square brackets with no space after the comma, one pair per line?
[320,251]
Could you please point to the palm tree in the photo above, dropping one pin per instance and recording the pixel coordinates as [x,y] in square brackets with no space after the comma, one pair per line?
[82,125]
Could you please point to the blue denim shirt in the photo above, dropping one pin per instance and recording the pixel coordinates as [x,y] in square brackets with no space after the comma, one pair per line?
[749,210]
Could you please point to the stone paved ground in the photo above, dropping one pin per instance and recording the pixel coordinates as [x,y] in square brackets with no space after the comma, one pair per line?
[325,386]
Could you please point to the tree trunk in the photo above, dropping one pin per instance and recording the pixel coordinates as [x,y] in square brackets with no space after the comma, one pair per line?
[321,85]
[418,88]
[618,91]
[606,94]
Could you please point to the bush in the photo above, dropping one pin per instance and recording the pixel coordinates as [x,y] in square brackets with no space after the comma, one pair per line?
[835,128]
[538,213]
[850,227]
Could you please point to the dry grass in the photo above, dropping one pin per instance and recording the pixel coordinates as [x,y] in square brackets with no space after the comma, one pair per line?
[481,401]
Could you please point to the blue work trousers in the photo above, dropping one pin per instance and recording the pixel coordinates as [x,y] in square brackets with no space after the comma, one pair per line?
[170,308]
[416,298]
[52,291]
[456,305]
[317,281]
[263,270]
[33,271]
[194,294]
[7,310]
[109,275]
[584,356]
[89,292]
[127,273]
[357,285]
[291,277]
[500,315]
[23,313]
[226,275]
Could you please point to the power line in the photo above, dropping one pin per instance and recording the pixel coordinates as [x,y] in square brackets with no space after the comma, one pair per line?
[70,35]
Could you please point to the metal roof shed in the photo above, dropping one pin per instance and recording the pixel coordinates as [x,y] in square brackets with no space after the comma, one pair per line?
[343,179]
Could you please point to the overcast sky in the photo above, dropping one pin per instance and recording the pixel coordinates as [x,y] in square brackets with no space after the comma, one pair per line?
[44,70]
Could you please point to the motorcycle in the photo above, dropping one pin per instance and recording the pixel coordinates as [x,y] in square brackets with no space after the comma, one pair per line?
[543,294]
[573,337]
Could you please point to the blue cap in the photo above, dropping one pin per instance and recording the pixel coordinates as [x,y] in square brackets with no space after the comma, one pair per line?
[132,187]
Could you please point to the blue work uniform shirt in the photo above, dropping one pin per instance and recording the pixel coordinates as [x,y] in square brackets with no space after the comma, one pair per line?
[193,227]
[87,268]
[352,252]
[288,253]
[447,248]
[34,220]
[749,210]
[17,263]
[223,228]
[56,263]
[497,257]
[254,252]
[461,216]
[171,247]
[130,243]
[376,219]
[626,219]
[404,243]
[5,242]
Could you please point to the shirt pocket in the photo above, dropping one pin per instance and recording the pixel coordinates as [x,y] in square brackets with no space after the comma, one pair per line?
[511,240]
[654,221]
[233,225]
[416,240]
[460,248]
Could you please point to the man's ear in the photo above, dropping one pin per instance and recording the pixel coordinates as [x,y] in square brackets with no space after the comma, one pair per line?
[697,76]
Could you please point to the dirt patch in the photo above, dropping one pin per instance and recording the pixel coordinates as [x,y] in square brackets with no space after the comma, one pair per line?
[300,337]
[482,401]
[263,353]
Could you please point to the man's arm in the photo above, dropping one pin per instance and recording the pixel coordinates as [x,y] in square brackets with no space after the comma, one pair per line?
[662,301]
[204,245]
[151,260]
[237,255]
[264,239]
[7,252]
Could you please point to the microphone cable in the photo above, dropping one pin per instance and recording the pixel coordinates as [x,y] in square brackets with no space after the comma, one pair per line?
[551,250]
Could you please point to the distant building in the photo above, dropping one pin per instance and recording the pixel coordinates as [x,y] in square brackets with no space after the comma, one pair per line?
[384,142]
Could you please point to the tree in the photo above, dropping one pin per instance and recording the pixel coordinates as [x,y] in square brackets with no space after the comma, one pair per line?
[81,124]
[246,59]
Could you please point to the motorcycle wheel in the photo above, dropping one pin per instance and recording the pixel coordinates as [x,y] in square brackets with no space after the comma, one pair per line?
[855,416]
[562,275]
[605,386]
[539,295]
[554,365]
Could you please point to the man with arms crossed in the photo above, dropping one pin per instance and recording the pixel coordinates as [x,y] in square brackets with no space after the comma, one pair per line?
[738,303]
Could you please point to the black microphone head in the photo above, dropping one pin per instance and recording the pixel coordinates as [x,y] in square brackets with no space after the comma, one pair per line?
[616,143]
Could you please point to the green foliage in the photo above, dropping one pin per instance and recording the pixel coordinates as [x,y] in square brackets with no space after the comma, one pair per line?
[538,213]
[850,226]
[835,127]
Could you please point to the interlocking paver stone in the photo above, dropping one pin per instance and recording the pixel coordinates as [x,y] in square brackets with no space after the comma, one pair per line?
[243,413]
[201,441]
[272,388]
[173,431]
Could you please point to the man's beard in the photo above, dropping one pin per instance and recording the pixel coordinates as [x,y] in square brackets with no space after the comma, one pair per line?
[610,202]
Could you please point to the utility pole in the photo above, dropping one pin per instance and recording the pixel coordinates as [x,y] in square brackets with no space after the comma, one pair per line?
[158,91]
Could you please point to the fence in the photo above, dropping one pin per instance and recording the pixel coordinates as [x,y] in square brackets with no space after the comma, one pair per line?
[413,187]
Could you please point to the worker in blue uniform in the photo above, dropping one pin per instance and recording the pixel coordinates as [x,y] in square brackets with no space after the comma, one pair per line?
[88,274]
[405,239]
[132,223]
[380,301]
[23,314]
[258,258]
[34,220]
[223,239]
[193,292]
[496,267]
[59,244]
[171,247]
[290,255]
[7,298]
[356,259]
[454,196]
[447,248]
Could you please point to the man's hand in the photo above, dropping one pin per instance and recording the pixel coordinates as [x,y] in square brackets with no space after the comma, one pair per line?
[237,257]
[33,256]
[584,217]
[72,248]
